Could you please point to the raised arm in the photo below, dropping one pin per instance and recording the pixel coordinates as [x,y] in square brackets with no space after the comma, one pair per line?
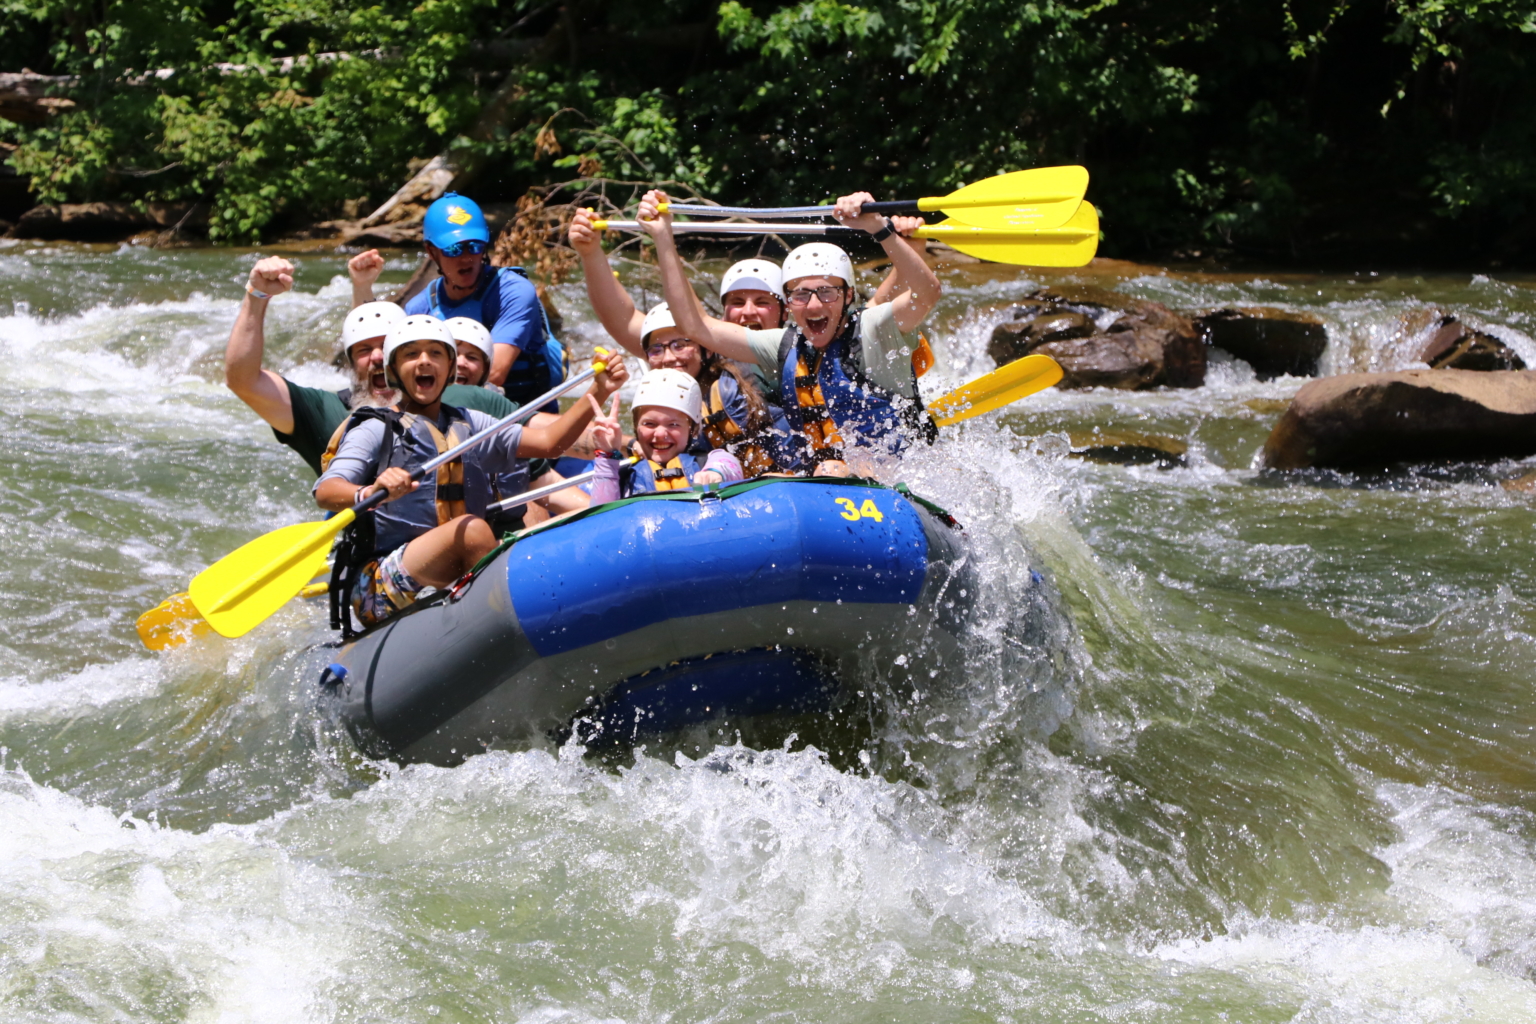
[262,390]
[730,340]
[912,306]
[612,304]
[552,440]
[893,285]
[364,269]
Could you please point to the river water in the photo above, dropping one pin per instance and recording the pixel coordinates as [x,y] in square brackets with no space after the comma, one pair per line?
[1269,757]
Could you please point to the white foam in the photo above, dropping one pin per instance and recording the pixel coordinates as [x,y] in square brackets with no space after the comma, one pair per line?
[94,686]
[132,918]
[1468,871]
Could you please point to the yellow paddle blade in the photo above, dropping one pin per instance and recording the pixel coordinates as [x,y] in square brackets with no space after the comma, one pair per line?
[171,623]
[175,620]
[1070,245]
[1019,379]
[1043,197]
[242,590]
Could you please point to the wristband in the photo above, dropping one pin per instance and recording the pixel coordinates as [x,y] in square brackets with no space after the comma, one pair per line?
[255,293]
[883,233]
[600,454]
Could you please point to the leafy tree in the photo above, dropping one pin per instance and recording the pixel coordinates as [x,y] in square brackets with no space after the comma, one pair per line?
[1287,128]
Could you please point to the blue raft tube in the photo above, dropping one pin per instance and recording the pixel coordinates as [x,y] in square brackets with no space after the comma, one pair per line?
[657,612]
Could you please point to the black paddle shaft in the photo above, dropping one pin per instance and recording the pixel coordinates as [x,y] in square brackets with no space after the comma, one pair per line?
[895,206]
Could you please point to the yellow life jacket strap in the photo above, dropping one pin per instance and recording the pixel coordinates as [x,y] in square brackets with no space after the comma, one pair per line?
[815,419]
[334,443]
[723,432]
[450,475]
[671,477]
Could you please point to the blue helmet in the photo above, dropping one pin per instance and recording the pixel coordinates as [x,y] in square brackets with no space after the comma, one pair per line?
[454,219]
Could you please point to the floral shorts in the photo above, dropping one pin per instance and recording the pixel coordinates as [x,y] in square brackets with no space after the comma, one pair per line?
[383,588]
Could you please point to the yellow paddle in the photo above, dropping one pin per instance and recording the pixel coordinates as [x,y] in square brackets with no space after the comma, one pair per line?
[1070,245]
[1018,379]
[175,620]
[1042,197]
[241,590]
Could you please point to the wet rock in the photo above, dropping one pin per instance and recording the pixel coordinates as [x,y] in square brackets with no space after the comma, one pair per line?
[1127,361]
[1103,339]
[1128,448]
[1448,344]
[1358,420]
[1523,484]
[1022,336]
[1275,342]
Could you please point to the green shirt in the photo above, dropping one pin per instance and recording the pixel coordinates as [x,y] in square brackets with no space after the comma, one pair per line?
[887,352]
[317,413]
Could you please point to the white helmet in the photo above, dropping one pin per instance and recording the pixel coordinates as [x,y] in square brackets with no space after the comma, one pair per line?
[756,275]
[670,389]
[370,320]
[469,331]
[659,317]
[818,259]
[418,327]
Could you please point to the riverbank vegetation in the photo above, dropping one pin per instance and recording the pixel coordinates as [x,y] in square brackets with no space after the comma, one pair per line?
[1281,130]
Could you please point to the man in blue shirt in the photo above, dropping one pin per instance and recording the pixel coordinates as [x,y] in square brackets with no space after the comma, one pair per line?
[528,359]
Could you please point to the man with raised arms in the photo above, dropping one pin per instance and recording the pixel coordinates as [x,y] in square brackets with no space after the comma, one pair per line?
[305,418]
[843,375]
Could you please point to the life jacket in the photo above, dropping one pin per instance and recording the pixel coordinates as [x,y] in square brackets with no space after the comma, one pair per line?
[533,372]
[647,477]
[409,441]
[756,452]
[827,392]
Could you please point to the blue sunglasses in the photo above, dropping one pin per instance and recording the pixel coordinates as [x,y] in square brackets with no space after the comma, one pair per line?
[468,247]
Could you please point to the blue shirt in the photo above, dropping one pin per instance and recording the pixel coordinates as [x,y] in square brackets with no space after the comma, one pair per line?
[507,304]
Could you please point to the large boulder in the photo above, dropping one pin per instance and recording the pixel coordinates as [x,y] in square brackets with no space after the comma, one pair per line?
[1103,339]
[1359,420]
[1275,342]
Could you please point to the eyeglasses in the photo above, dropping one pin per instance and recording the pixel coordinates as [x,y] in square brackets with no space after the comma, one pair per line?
[677,345]
[826,293]
[468,247]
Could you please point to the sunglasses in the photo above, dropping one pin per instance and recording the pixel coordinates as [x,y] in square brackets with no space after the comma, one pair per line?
[468,247]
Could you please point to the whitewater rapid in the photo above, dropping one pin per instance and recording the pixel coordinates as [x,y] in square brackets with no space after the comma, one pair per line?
[1267,756]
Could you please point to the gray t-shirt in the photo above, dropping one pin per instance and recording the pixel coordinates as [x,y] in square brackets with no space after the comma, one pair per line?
[356,458]
[887,352]
[404,519]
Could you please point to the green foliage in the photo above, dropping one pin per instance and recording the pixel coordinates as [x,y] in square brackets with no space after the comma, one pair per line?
[1269,128]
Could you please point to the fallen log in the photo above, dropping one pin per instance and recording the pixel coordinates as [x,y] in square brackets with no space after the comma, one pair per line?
[29,98]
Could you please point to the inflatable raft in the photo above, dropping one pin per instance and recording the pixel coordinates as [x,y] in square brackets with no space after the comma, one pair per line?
[652,613]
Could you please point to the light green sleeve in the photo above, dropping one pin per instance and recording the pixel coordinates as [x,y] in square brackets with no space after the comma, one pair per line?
[887,352]
[765,349]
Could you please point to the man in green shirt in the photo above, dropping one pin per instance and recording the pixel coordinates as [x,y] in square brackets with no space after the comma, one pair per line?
[305,418]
